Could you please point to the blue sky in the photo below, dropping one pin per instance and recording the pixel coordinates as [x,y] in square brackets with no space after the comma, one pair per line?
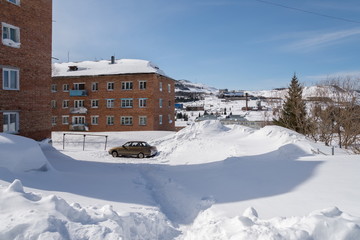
[235,44]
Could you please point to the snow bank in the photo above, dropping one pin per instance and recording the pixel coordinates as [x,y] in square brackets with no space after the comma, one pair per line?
[32,216]
[210,141]
[19,154]
[329,224]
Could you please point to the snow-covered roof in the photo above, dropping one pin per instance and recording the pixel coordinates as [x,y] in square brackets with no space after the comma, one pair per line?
[104,67]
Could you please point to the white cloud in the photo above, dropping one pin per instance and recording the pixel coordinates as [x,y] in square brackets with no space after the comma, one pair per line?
[317,40]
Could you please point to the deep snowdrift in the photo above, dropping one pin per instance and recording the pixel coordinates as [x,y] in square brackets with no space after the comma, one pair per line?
[200,186]
[19,154]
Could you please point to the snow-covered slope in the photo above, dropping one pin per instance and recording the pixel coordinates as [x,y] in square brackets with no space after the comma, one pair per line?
[208,182]
[186,86]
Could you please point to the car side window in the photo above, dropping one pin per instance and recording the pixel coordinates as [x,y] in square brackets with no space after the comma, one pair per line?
[127,144]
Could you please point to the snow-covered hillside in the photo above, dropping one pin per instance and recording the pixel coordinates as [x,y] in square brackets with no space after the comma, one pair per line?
[208,182]
[189,87]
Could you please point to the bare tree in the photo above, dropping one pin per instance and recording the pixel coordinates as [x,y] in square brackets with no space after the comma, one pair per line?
[337,112]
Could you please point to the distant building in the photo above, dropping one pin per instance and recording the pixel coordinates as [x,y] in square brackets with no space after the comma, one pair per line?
[116,95]
[225,93]
[241,120]
[25,64]
[206,117]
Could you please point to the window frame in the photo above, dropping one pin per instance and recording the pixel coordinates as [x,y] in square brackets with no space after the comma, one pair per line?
[92,101]
[92,120]
[127,102]
[65,103]
[126,120]
[66,87]
[111,122]
[79,103]
[143,102]
[94,86]
[111,101]
[142,84]
[63,117]
[53,88]
[110,86]
[141,120]
[53,104]
[9,80]
[17,122]
[53,120]
[8,41]
[127,85]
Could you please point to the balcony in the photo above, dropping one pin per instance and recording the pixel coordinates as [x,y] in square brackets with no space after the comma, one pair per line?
[78,127]
[78,110]
[78,93]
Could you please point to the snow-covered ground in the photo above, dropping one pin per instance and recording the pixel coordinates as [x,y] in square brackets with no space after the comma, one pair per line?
[208,181]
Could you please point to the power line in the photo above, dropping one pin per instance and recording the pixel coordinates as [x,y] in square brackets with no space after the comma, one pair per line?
[310,12]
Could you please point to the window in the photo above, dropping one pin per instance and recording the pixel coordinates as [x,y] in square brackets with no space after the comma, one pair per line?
[160,86]
[10,122]
[142,85]
[10,35]
[126,102]
[65,120]
[94,103]
[169,103]
[142,120]
[65,87]
[126,120]
[126,85]
[110,86]
[160,119]
[142,102]
[53,120]
[94,86]
[80,120]
[109,120]
[53,88]
[160,102]
[65,103]
[79,86]
[53,103]
[110,103]
[10,79]
[94,120]
[78,103]
[169,88]
[169,117]
[17,2]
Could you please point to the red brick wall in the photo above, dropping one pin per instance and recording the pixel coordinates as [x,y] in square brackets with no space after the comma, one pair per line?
[152,110]
[33,58]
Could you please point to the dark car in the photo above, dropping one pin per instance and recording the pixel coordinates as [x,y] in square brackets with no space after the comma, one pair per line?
[138,149]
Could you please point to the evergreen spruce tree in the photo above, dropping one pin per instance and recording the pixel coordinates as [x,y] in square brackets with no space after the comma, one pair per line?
[293,114]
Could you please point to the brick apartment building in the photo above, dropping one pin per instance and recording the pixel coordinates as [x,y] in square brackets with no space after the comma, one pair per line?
[116,95]
[25,65]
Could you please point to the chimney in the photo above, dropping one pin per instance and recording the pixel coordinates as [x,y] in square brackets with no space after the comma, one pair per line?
[112,59]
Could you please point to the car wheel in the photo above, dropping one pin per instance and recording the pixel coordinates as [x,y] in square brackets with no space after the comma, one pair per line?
[114,154]
[141,155]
